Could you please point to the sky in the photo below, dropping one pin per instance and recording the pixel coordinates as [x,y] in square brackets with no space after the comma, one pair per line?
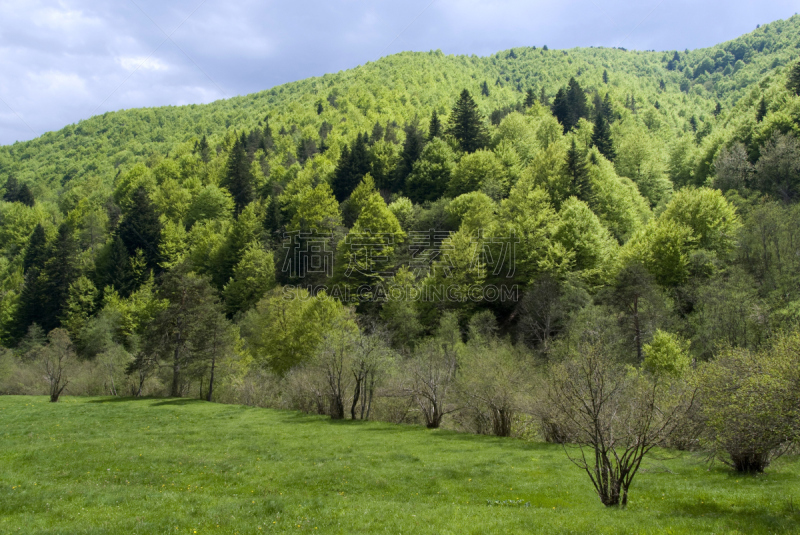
[66,60]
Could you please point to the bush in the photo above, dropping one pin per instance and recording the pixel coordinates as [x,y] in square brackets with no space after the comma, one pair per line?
[751,404]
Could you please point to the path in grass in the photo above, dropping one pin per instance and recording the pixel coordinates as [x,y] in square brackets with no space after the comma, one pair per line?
[105,465]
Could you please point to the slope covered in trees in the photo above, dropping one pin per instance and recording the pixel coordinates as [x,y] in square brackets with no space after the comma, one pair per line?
[416,231]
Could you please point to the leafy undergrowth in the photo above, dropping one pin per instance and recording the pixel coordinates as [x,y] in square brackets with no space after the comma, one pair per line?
[108,465]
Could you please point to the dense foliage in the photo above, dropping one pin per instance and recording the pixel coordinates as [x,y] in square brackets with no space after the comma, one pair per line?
[426,236]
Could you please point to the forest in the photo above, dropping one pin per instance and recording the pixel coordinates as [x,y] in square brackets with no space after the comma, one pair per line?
[563,245]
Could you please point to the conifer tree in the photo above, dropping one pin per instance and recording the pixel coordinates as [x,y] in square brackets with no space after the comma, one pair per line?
[60,271]
[485,89]
[717,109]
[605,76]
[608,109]
[36,251]
[204,150]
[601,138]
[576,168]
[12,190]
[353,165]
[267,141]
[412,149]
[115,271]
[762,110]
[793,84]
[577,102]
[238,177]
[530,98]
[467,125]
[544,99]
[377,133]
[435,128]
[561,109]
[25,196]
[140,229]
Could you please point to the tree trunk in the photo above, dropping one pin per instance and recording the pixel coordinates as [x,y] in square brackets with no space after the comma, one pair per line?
[211,379]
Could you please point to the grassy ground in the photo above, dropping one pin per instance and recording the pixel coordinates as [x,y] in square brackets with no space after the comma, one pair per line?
[105,465]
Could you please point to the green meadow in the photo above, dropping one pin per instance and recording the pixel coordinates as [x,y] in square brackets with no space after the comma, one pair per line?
[110,465]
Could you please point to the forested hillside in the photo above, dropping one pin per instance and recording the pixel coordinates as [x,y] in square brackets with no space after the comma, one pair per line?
[421,236]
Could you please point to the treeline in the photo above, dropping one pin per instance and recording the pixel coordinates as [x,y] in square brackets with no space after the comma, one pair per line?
[465,264]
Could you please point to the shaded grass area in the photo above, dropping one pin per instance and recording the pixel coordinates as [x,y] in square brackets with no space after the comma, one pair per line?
[106,465]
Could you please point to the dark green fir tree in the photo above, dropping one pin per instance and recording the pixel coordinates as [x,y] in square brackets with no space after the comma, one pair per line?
[467,124]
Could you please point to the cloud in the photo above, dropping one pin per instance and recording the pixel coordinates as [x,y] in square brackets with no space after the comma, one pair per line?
[133,63]
[64,60]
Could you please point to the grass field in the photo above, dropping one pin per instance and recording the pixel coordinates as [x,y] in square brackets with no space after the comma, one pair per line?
[108,465]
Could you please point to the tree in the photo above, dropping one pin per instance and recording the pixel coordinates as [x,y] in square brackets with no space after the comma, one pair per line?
[710,217]
[613,416]
[56,360]
[25,196]
[561,109]
[435,127]
[140,229]
[467,124]
[793,82]
[36,250]
[477,171]
[605,76]
[238,178]
[353,165]
[778,169]
[530,98]
[59,272]
[433,370]
[750,403]
[253,277]
[485,89]
[12,190]
[667,354]
[577,102]
[635,295]
[733,168]
[177,339]
[204,150]
[576,169]
[601,137]
[412,150]
[761,112]
[431,173]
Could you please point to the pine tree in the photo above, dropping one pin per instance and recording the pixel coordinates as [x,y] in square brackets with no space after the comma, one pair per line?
[377,133]
[115,270]
[577,169]
[530,98]
[601,137]
[467,124]
[320,109]
[204,150]
[353,165]
[762,110]
[267,141]
[238,178]
[717,109]
[605,76]
[36,251]
[435,128]
[12,190]
[793,84]
[577,102]
[412,150]
[561,109]
[25,196]
[608,109]
[60,271]
[140,229]
[485,89]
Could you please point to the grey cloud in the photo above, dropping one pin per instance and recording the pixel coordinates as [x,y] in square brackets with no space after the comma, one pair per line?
[61,61]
